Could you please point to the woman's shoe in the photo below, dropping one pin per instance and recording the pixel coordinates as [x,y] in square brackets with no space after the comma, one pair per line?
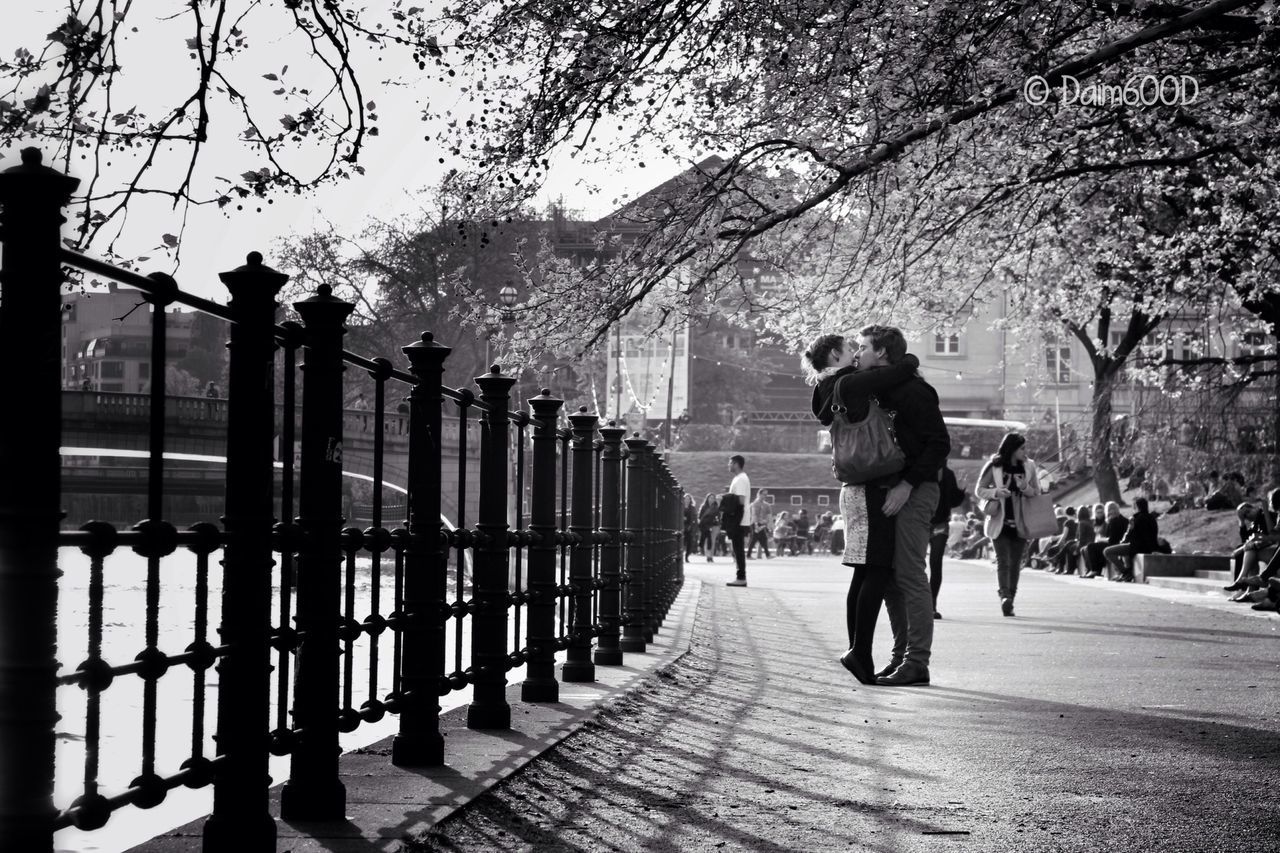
[1241,596]
[863,670]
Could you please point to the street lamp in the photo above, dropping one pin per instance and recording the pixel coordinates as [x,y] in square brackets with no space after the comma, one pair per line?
[508,296]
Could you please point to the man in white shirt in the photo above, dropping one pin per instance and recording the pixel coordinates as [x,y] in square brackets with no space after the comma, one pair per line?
[737,521]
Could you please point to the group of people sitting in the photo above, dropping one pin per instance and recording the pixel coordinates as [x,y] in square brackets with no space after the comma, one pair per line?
[1212,491]
[1092,541]
[1254,562]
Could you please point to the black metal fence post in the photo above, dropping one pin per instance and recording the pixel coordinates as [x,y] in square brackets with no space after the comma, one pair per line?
[489,708]
[314,791]
[578,665]
[32,196]
[240,814]
[633,627]
[608,651]
[426,568]
[540,683]
[652,557]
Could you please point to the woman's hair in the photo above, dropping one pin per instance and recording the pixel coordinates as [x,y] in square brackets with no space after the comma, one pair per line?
[1112,509]
[1008,446]
[1273,500]
[1140,504]
[710,498]
[818,356]
[1246,511]
[1099,509]
[1085,512]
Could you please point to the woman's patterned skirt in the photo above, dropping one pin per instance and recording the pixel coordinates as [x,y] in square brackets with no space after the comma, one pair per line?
[868,532]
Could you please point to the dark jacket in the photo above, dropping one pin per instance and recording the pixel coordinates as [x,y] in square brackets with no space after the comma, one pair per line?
[855,391]
[950,496]
[1143,534]
[918,425]
[1116,530]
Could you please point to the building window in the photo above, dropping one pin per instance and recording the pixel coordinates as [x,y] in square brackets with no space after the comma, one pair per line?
[1253,343]
[1057,361]
[144,370]
[111,370]
[824,500]
[768,499]
[796,500]
[946,345]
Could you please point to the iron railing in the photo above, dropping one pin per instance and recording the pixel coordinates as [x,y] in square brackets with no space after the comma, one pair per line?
[320,628]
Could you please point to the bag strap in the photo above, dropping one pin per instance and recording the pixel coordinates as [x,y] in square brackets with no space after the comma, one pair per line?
[836,405]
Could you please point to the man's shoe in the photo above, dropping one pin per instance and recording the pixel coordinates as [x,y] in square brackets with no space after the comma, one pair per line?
[736,582]
[907,674]
[709,560]
[888,670]
[1266,605]
[862,670]
[1006,606]
[937,615]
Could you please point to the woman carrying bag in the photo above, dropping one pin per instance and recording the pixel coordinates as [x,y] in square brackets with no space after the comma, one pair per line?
[1015,511]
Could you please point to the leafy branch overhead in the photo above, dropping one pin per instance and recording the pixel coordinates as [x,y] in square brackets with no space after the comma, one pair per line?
[875,160]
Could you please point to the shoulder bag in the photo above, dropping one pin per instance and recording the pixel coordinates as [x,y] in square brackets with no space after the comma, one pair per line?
[864,450]
[1037,518]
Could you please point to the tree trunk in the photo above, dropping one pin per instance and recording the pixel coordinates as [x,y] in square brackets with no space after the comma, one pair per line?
[1104,468]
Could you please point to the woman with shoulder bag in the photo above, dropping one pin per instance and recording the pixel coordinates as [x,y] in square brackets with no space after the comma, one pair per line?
[840,388]
[1007,480]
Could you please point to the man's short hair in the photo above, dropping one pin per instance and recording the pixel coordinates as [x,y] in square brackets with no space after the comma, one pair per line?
[889,339]
[737,457]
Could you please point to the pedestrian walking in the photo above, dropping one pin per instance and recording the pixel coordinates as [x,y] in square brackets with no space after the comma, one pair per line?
[735,516]
[923,437]
[759,525]
[783,532]
[708,524]
[950,496]
[803,541]
[1008,476]
[690,514]
[869,533]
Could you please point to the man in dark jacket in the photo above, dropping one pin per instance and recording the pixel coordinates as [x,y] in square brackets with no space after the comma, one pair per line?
[1142,537]
[924,441]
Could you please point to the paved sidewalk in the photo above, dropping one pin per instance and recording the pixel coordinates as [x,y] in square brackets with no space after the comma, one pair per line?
[1094,720]
[388,806]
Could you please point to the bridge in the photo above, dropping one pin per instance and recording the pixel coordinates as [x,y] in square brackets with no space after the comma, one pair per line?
[106,436]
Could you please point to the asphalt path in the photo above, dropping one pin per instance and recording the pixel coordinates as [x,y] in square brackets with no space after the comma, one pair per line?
[1101,717]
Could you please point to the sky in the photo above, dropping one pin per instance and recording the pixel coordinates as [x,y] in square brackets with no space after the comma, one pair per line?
[398,162]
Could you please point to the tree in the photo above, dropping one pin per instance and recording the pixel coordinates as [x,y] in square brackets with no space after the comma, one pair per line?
[412,274]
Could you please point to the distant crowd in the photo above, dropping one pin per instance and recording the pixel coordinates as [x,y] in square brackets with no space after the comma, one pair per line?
[1099,540]
[780,533]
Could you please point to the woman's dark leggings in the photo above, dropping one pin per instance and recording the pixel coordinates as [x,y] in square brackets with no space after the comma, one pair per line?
[937,548]
[862,607]
[705,541]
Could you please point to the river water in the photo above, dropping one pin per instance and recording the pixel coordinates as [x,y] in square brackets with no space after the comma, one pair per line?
[120,750]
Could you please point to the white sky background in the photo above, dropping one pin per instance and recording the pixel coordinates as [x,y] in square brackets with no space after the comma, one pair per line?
[398,162]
